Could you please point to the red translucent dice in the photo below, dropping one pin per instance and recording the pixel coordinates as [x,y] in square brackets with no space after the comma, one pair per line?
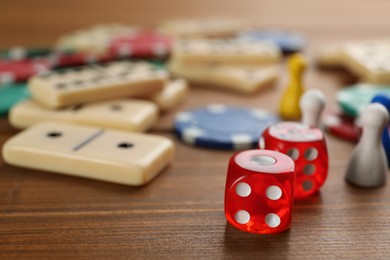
[259,191]
[307,147]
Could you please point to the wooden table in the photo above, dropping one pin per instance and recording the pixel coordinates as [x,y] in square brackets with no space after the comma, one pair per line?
[180,214]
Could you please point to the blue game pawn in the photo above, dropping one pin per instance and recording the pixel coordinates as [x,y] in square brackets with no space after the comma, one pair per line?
[385,101]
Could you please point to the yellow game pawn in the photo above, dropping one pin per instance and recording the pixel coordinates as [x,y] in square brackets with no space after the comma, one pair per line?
[289,104]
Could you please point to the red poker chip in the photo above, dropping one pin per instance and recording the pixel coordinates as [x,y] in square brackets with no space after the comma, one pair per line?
[342,126]
[21,70]
[141,44]
[64,60]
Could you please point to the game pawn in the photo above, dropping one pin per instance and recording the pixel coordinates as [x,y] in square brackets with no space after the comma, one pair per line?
[304,143]
[368,166]
[385,101]
[289,103]
[259,191]
[312,103]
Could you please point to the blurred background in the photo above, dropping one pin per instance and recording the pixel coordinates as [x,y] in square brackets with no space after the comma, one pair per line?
[49,214]
[41,22]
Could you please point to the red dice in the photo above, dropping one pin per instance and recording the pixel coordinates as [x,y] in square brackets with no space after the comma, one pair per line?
[307,147]
[259,191]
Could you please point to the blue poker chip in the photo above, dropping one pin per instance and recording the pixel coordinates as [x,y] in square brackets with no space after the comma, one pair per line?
[223,127]
[287,41]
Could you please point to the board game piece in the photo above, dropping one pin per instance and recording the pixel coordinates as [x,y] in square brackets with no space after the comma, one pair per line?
[370,60]
[385,101]
[205,27]
[101,154]
[289,104]
[18,61]
[259,191]
[226,52]
[312,103]
[354,98]
[98,82]
[23,53]
[287,41]
[10,95]
[241,80]
[141,44]
[171,95]
[342,125]
[222,127]
[121,114]
[306,145]
[66,59]
[16,71]
[55,59]
[368,165]
[329,56]
[93,39]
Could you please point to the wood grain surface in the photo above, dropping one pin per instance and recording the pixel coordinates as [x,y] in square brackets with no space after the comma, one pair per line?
[180,214]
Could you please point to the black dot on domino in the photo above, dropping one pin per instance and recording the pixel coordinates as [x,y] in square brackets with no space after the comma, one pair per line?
[60,85]
[251,73]
[97,80]
[125,145]
[54,134]
[123,74]
[78,82]
[78,107]
[61,71]
[116,107]
[77,69]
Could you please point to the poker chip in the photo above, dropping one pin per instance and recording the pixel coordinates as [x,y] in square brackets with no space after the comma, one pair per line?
[354,98]
[70,59]
[121,41]
[16,71]
[11,94]
[158,63]
[19,64]
[223,127]
[342,126]
[93,39]
[287,41]
[141,44]
[22,53]
[20,70]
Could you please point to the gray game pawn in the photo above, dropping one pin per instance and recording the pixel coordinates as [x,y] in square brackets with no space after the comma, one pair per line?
[312,103]
[368,166]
